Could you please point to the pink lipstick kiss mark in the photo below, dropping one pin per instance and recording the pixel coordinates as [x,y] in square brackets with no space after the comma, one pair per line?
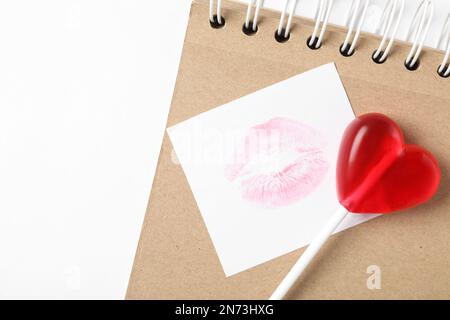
[278,162]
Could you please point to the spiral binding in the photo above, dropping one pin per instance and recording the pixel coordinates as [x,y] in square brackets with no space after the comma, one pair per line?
[393,11]
[419,31]
[354,13]
[216,20]
[283,31]
[322,15]
[444,67]
[387,28]
[254,21]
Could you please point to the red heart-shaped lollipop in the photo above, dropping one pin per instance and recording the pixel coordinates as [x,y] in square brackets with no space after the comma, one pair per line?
[378,173]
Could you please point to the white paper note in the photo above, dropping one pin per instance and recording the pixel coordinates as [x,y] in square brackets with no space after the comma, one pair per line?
[262,168]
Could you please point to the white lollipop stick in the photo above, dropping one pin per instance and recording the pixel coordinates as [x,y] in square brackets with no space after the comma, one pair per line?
[309,254]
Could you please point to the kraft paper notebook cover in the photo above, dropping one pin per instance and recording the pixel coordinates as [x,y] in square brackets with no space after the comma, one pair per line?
[175,258]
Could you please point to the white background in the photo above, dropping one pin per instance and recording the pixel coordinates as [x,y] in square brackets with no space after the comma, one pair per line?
[85,87]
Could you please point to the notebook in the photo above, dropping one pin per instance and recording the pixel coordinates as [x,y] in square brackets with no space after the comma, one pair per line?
[176,259]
